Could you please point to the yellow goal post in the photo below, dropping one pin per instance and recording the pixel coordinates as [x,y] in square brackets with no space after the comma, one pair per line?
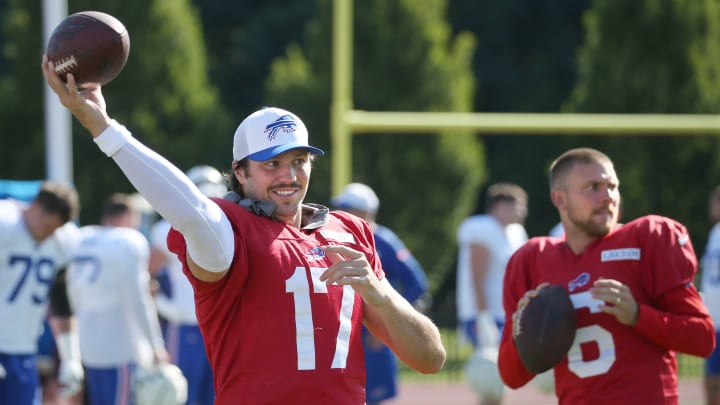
[347,122]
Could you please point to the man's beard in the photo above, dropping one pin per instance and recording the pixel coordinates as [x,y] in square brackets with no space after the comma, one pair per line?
[592,228]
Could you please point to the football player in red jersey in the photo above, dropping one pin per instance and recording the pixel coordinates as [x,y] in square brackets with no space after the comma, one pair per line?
[631,285]
[282,287]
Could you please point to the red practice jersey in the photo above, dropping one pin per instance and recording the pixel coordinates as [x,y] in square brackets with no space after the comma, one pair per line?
[611,363]
[274,333]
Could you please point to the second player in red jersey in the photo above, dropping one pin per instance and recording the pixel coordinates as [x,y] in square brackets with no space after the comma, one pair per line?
[631,285]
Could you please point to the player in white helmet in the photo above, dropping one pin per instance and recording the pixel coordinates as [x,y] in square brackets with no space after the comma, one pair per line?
[405,274]
[109,289]
[176,302]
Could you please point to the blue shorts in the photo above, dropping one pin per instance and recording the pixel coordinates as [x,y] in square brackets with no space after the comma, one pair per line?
[111,386]
[19,383]
[46,342]
[47,356]
[187,350]
[712,364]
[469,332]
[380,369]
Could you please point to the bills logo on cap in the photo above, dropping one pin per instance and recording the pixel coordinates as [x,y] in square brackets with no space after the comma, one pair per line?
[286,123]
[267,133]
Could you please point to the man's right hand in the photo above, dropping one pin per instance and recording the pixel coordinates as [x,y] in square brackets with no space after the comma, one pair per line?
[88,105]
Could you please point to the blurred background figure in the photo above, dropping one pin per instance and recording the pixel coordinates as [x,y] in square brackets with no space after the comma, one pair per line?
[486,242]
[176,302]
[710,287]
[402,271]
[108,285]
[36,241]
[47,358]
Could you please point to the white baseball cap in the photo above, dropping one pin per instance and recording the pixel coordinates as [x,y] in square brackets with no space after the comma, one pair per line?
[356,196]
[269,132]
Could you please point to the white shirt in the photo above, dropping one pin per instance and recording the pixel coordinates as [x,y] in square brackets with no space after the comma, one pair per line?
[180,308]
[27,270]
[710,265]
[109,290]
[501,244]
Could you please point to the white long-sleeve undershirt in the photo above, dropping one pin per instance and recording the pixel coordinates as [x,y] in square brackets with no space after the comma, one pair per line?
[206,228]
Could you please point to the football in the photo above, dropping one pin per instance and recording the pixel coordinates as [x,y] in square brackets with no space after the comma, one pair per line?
[91,45]
[546,329]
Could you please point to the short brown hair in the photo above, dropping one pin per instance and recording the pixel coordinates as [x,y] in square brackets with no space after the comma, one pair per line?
[500,192]
[116,205]
[568,159]
[56,198]
[232,180]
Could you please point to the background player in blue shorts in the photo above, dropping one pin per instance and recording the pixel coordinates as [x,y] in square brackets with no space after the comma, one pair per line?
[108,284]
[404,273]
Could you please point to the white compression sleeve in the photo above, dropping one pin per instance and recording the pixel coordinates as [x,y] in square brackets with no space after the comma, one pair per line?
[204,225]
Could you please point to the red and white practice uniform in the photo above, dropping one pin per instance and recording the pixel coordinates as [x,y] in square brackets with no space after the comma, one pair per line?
[301,342]
[611,363]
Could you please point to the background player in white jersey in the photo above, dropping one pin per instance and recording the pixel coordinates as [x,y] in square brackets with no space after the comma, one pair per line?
[109,288]
[486,242]
[176,303]
[36,240]
[711,295]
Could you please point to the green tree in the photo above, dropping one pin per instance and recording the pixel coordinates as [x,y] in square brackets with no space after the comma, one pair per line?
[655,56]
[243,37]
[405,59]
[21,92]
[163,95]
[524,62]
